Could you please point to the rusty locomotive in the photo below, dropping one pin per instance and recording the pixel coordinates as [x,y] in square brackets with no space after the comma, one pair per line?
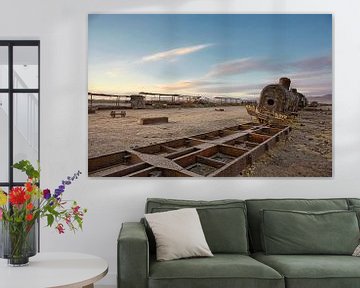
[278,102]
[280,98]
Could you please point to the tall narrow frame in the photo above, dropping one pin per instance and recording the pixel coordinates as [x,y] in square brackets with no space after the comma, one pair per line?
[10,91]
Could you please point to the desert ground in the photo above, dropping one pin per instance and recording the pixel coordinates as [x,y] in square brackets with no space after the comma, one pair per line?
[107,135]
[306,152]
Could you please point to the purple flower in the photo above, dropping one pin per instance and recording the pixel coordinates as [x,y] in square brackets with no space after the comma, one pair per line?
[46,194]
[68,181]
[57,193]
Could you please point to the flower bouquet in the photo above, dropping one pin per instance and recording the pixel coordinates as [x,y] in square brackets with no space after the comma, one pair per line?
[21,208]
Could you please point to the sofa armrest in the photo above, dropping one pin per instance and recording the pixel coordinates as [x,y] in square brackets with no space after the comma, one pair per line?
[133,256]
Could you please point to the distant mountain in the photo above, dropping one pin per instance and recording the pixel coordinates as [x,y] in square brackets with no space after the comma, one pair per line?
[321,99]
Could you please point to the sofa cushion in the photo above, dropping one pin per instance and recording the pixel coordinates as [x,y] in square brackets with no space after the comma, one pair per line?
[255,206]
[297,232]
[222,270]
[313,271]
[353,201]
[356,209]
[178,234]
[354,205]
[223,221]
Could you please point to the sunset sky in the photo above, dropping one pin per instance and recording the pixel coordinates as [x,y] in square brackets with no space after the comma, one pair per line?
[210,55]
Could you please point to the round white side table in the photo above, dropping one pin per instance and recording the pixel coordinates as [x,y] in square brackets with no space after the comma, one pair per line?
[50,270]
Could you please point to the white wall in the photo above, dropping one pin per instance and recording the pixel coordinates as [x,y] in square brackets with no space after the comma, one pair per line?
[61,25]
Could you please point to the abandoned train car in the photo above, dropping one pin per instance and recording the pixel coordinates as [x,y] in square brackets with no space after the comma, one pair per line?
[279,98]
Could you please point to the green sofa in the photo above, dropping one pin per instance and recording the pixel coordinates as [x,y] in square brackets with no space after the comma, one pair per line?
[233,230]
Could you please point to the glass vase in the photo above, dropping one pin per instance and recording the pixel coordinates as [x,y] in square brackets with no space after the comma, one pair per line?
[18,242]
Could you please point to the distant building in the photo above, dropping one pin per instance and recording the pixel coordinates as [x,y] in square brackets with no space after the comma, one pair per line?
[137,101]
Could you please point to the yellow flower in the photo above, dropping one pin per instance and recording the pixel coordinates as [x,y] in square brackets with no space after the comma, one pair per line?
[3,198]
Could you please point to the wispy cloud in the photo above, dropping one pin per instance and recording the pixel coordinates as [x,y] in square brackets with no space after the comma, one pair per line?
[240,66]
[209,83]
[314,86]
[173,54]
[308,75]
[188,84]
[212,87]
[232,88]
[313,64]
[246,65]
[317,89]
[312,76]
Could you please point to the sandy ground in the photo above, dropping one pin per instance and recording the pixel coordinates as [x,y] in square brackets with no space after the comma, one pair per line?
[307,152]
[108,134]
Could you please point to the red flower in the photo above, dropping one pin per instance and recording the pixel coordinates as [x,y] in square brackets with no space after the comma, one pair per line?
[27,196]
[17,196]
[75,209]
[29,186]
[68,219]
[60,228]
[29,217]
[29,206]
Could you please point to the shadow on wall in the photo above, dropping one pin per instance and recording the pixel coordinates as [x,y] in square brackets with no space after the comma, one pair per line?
[164,5]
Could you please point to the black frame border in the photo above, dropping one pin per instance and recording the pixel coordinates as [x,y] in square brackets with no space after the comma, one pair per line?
[10,91]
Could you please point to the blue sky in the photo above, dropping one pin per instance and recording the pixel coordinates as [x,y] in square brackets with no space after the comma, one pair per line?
[212,55]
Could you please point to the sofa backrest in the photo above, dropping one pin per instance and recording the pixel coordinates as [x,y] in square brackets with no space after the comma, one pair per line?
[354,202]
[255,206]
[223,221]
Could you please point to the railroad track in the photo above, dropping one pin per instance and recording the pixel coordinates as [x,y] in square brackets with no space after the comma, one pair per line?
[220,153]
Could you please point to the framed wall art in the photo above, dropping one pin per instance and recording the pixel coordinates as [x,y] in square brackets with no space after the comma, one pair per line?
[210,95]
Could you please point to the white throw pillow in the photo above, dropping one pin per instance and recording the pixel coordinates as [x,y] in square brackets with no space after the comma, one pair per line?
[178,234]
[357,251]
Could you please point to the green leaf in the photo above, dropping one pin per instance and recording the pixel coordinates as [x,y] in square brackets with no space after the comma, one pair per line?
[26,167]
[50,219]
[79,221]
[53,211]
